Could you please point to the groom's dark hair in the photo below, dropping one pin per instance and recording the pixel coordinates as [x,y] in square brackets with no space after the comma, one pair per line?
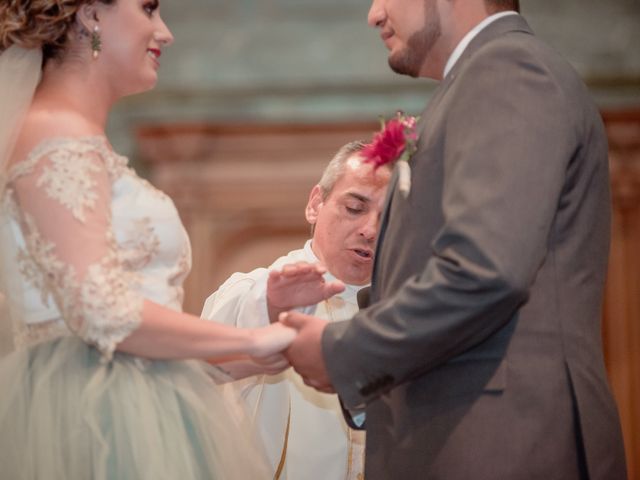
[502,5]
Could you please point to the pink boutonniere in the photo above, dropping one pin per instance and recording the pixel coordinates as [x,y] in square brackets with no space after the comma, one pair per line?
[394,144]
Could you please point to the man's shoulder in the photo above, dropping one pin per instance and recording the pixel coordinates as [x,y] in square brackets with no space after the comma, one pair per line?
[240,281]
[520,48]
[519,60]
[299,255]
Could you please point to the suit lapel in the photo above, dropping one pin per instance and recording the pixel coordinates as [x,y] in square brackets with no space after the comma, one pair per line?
[393,182]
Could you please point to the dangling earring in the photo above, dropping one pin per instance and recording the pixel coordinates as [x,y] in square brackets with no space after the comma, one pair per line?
[96,42]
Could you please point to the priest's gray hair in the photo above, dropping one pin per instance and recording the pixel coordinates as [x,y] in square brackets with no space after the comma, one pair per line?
[336,166]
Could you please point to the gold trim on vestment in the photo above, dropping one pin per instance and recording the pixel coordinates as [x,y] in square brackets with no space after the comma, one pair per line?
[285,443]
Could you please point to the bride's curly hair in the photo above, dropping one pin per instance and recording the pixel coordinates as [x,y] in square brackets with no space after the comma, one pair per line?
[39,24]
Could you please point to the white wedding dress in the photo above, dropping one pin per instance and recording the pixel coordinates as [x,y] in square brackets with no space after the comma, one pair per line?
[85,240]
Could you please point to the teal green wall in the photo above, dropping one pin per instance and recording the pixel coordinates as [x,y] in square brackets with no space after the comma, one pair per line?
[316,61]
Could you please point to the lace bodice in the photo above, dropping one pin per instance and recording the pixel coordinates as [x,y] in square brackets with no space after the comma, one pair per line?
[90,241]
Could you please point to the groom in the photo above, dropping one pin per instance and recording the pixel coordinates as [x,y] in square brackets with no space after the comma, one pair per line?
[480,355]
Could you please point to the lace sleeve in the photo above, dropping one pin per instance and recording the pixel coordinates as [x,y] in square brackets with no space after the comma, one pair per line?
[64,199]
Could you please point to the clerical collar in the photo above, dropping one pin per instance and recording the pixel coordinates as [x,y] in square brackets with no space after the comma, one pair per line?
[460,48]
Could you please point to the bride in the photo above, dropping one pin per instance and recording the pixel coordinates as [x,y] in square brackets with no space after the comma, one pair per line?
[103,381]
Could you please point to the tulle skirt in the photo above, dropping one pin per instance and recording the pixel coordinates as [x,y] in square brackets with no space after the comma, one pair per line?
[66,416]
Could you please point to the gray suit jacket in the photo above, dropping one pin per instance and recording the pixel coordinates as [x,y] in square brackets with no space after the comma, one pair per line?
[480,356]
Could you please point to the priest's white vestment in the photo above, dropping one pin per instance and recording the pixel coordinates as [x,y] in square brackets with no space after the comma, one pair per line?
[303,431]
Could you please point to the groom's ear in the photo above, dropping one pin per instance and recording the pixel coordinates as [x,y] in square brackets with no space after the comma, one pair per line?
[313,205]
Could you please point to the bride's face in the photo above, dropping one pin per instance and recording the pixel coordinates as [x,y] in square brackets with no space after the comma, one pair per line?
[132,36]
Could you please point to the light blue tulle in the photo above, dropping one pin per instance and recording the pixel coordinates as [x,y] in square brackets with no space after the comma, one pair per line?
[66,416]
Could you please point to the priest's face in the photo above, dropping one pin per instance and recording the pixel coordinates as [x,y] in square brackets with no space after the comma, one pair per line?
[412,31]
[346,220]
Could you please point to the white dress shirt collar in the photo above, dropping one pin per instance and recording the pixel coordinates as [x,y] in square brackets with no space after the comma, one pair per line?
[460,48]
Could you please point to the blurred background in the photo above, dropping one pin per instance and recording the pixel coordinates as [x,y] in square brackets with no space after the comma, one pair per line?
[237,61]
[255,96]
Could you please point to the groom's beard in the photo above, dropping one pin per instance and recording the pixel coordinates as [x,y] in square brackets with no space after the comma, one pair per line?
[410,60]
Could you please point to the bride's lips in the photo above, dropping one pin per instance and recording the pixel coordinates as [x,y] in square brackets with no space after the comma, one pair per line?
[154,53]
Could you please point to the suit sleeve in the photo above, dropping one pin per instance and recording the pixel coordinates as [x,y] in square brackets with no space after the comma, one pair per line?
[507,144]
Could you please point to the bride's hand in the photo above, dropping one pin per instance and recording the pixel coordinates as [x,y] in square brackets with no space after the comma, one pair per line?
[270,340]
[271,365]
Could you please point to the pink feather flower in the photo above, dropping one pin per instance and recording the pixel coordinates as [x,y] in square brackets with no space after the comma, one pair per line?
[396,141]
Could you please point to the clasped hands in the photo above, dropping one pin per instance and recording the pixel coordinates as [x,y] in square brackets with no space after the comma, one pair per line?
[298,285]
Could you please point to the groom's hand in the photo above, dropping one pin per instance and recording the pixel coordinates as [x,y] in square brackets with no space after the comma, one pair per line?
[305,352]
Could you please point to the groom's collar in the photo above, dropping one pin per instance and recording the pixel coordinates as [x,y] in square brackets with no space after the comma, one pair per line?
[462,45]
[495,29]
